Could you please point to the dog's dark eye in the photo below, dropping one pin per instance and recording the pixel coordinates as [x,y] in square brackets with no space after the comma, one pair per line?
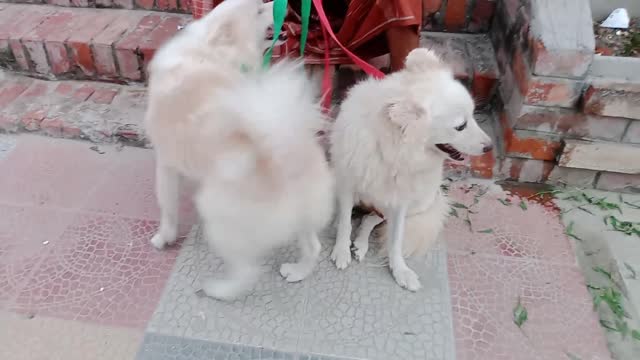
[461,127]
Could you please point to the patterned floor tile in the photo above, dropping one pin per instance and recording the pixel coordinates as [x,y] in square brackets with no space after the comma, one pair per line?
[359,312]
[103,270]
[130,191]
[40,338]
[51,172]
[23,245]
[561,321]
[498,224]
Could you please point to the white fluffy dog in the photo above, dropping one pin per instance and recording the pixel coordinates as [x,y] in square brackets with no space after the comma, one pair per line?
[246,136]
[388,146]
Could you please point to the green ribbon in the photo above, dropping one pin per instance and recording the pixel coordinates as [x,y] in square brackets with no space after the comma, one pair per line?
[279,13]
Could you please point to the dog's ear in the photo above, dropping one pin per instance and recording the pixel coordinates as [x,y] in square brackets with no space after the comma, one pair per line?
[405,113]
[422,59]
[230,27]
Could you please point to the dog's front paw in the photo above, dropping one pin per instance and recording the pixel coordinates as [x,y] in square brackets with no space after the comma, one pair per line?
[160,240]
[407,278]
[341,257]
[294,272]
[360,249]
[218,289]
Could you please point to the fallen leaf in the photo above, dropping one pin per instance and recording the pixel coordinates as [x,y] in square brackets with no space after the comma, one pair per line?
[505,202]
[520,314]
[523,205]
[459,206]
[569,232]
[486,231]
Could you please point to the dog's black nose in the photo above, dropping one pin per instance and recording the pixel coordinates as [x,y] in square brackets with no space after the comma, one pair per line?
[487,148]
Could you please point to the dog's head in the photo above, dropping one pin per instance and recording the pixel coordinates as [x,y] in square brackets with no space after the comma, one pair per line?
[438,110]
[238,22]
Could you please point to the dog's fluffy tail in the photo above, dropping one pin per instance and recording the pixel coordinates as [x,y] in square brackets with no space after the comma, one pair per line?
[267,112]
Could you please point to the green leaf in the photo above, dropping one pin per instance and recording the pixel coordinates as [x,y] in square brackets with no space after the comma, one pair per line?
[623,328]
[486,231]
[607,325]
[572,356]
[604,272]
[505,202]
[635,334]
[586,210]
[520,314]
[523,205]
[569,232]
[634,275]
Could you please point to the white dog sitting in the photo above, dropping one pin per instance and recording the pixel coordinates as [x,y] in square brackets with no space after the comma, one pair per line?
[246,136]
[388,146]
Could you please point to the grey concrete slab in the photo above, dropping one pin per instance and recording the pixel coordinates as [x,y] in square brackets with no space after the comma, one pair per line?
[356,313]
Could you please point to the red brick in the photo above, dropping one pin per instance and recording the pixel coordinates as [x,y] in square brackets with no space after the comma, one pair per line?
[610,98]
[83,93]
[619,182]
[11,91]
[455,15]
[36,90]
[31,120]
[430,7]
[144,4]
[70,131]
[124,4]
[521,71]
[103,43]
[482,166]
[52,31]
[64,89]
[79,43]
[185,5]
[525,170]
[529,144]
[26,22]
[562,63]
[546,91]
[52,126]
[570,122]
[167,4]
[481,15]
[158,36]
[127,48]
[103,96]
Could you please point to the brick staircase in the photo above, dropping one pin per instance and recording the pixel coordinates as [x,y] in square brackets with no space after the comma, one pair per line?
[529,95]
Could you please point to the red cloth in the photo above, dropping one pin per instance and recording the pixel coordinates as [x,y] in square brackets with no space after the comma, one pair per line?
[358,24]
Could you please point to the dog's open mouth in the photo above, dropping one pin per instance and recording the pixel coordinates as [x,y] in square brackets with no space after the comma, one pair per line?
[451,151]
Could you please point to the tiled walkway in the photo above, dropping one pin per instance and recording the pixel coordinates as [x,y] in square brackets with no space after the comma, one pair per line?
[79,280]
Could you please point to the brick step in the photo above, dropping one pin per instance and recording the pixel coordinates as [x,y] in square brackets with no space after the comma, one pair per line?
[94,111]
[73,43]
[470,55]
[177,6]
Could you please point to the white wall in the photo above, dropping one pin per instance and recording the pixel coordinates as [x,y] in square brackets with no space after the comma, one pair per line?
[602,8]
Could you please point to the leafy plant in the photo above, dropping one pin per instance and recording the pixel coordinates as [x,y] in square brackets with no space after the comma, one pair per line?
[520,314]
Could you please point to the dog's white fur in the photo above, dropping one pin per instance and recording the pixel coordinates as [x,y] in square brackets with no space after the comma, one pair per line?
[384,155]
[246,137]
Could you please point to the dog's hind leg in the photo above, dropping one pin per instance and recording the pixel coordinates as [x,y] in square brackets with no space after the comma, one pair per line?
[310,250]
[341,253]
[242,274]
[168,195]
[361,243]
[404,276]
